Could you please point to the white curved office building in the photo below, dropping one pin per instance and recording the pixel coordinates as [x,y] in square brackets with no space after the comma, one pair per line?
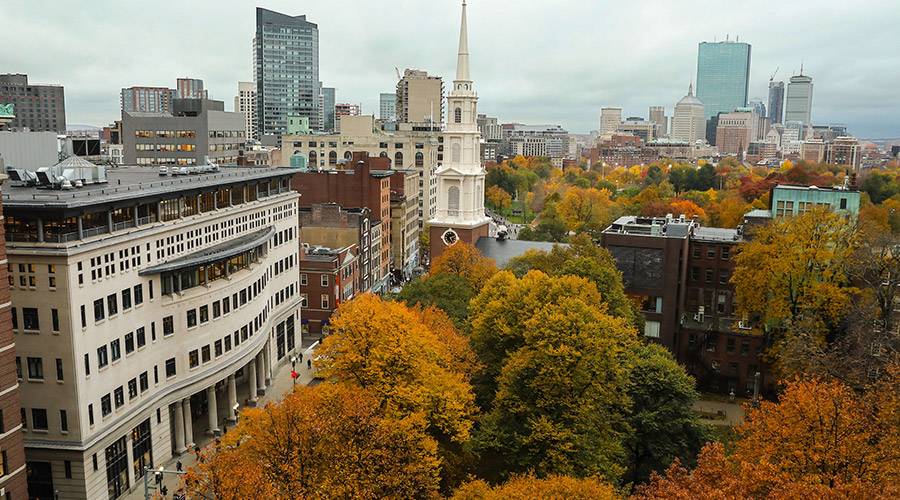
[145,310]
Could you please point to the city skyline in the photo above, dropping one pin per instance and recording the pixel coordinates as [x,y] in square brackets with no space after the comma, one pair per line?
[567,84]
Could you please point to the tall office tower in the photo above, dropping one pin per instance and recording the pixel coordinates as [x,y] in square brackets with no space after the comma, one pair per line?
[387,106]
[40,107]
[420,98]
[460,210]
[798,103]
[760,107]
[245,102]
[776,102]
[190,88]
[146,99]
[688,123]
[147,318]
[723,76]
[328,103]
[658,116]
[609,119]
[286,71]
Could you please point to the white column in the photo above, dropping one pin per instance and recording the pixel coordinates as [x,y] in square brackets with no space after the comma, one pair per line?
[178,426]
[129,452]
[212,410]
[188,424]
[232,399]
[267,356]
[260,374]
[251,380]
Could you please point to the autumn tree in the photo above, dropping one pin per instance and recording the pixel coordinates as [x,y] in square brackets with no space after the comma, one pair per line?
[466,261]
[398,356]
[585,209]
[530,487]
[820,440]
[499,198]
[446,291]
[664,426]
[323,442]
[552,384]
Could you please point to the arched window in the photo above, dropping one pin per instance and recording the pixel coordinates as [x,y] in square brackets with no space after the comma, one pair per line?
[457,115]
[312,159]
[455,153]
[383,154]
[453,201]
[420,159]
[348,155]
[332,158]
[398,160]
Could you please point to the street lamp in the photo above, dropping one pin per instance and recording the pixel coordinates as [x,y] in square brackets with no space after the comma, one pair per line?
[156,473]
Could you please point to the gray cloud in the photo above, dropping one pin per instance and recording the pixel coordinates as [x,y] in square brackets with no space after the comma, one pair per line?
[532,62]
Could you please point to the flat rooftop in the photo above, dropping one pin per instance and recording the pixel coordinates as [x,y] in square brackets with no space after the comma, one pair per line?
[131,182]
[716,234]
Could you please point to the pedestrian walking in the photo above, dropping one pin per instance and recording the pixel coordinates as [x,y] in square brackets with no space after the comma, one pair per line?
[178,466]
[301,357]
[308,364]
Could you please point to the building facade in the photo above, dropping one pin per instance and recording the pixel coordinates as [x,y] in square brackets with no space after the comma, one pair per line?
[845,150]
[688,123]
[420,98]
[736,130]
[286,71]
[328,277]
[658,116]
[775,111]
[245,103]
[404,222]
[190,88]
[723,76]
[798,100]
[387,106]
[38,107]
[328,101]
[460,208]
[196,129]
[344,109]
[609,119]
[147,99]
[146,306]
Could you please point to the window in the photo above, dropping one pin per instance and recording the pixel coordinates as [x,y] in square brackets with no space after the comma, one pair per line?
[54,319]
[102,357]
[138,295]
[112,305]
[457,115]
[192,318]
[126,299]
[129,343]
[711,344]
[59,370]
[227,340]
[709,275]
[30,318]
[723,276]
[726,253]
[843,203]
[83,317]
[64,426]
[115,350]
[751,371]
[87,364]
[692,340]
[324,301]
[132,388]
[733,369]
[204,314]
[302,279]
[98,310]
[145,384]
[51,268]
[15,319]
[168,326]
[303,298]
[141,338]
[729,346]
[226,306]
[170,367]
[710,252]
[52,281]
[193,359]
[105,405]
[120,396]
[695,273]
[204,353]
[696,252]
[217,309]
[745,347]
[218,347]
[720,303]
[67,463]
[324,280]
[35,368]
[39,419]
[651,329]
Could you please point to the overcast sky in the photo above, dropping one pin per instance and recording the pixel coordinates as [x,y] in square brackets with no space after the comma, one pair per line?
[535,62]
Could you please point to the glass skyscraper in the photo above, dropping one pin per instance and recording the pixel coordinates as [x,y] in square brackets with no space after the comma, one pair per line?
[798,103]
[723,76]
[776,101]
[286,70]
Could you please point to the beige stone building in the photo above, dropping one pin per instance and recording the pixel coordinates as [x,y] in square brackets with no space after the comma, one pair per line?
[420,98]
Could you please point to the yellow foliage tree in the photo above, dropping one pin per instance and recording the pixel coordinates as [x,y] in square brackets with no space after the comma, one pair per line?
[529,487]
[466,261]
[499,198]
[584,209]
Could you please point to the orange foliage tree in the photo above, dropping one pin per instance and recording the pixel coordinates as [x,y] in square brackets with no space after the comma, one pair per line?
[528,487]
[465,260]
[322,442]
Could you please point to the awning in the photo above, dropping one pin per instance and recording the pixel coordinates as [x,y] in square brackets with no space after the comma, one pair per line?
[214,253]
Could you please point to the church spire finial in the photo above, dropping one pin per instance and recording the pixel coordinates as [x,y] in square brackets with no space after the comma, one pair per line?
[462,62]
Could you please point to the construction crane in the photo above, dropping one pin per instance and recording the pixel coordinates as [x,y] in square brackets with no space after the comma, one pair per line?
[775,73]
[398,73]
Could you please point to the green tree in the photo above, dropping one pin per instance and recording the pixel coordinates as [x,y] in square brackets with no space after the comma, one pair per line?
[663,425]
[446,291]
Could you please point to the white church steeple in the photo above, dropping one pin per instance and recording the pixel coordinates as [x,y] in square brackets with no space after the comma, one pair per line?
[460,206]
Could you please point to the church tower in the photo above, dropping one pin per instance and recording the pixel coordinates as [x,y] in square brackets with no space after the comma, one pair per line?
[460,206]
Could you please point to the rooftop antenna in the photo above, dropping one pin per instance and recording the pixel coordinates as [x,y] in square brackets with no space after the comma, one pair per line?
[801,67]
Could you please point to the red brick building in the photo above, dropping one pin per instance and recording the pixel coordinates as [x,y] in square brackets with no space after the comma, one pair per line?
[364,183]
[328,278]
[12,451]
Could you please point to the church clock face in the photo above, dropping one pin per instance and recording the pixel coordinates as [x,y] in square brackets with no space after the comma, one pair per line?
[449,237]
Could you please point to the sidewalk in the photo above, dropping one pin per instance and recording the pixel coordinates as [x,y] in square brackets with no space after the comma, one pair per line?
[281,383]
[734,413]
